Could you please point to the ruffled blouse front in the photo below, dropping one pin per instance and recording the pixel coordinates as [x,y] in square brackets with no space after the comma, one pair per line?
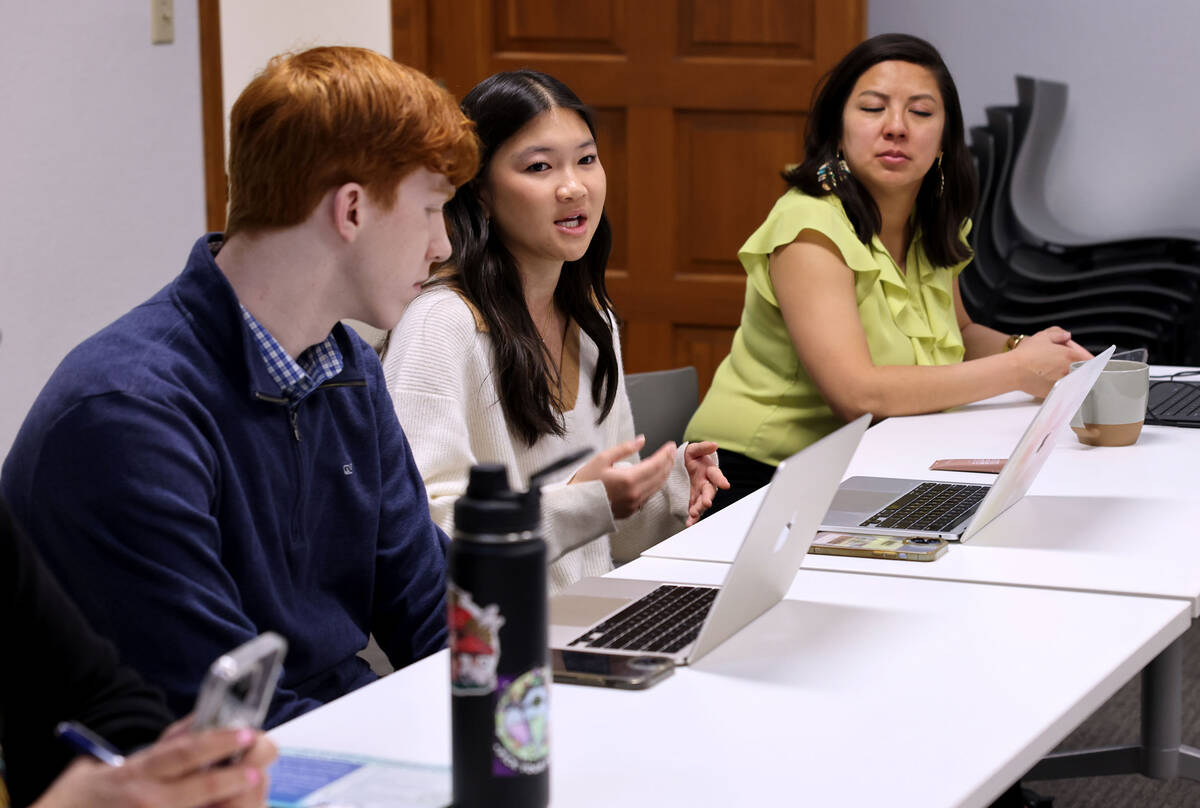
[762,402]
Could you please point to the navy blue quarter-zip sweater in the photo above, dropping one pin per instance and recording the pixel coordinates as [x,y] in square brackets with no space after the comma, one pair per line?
[187,507]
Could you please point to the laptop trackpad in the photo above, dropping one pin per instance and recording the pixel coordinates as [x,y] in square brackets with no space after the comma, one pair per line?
[854,501]
[581,610]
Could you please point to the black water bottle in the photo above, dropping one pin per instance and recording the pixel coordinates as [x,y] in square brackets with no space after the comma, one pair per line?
[499,655]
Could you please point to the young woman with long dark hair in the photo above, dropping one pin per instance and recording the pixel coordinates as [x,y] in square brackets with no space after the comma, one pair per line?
[852,304]
[512,355]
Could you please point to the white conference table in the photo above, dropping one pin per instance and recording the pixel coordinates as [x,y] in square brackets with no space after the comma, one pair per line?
[1123,520]
[854,691]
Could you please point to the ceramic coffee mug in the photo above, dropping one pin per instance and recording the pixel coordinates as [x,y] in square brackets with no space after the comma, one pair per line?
[1114,410]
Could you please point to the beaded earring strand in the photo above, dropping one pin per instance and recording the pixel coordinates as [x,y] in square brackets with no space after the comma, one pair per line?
[831,172]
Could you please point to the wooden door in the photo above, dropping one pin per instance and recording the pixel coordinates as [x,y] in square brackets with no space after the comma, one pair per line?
[700,104]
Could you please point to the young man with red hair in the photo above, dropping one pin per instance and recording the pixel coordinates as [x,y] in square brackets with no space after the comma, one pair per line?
[224,459]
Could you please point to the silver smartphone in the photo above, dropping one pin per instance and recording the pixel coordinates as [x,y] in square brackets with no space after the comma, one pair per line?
[238,687]
[610,670]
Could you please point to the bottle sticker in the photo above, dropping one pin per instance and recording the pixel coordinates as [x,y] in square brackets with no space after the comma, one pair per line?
[474,644]
[522,724]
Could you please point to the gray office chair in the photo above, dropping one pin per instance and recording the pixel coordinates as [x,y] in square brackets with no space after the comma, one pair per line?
[662,402]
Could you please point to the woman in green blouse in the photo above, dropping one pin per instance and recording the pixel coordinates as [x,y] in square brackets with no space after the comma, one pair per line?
[852,304]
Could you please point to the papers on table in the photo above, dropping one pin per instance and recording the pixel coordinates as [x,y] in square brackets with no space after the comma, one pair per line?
[304,778]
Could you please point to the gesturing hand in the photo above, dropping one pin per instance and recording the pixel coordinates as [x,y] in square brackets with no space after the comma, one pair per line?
[701,463]
[628,487]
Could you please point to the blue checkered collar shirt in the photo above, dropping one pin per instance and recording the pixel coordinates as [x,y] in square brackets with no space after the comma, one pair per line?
[300,376]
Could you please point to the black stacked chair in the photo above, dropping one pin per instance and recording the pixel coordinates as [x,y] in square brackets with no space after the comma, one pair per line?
[1040,111]
[1030,271]
[980,282]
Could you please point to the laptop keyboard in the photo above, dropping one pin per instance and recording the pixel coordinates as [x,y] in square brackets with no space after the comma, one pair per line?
[929,506]
[1171,399]
[665,620]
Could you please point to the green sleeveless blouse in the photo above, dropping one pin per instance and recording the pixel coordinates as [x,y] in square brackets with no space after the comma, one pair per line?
[762,402]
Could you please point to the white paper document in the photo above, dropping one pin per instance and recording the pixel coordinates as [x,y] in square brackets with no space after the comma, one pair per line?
[304,778]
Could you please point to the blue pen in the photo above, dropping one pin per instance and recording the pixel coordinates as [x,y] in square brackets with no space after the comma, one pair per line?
[83,740]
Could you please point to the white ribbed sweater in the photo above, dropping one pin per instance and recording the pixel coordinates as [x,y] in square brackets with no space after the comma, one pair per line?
[440,373]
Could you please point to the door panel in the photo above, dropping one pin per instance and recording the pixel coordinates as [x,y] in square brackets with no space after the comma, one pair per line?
[558,26]
[728,168]
[611,130]
[703,346]
[756,29]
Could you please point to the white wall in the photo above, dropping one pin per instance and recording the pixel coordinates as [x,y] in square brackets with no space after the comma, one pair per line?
[1127,158]
[102,167]
[252,31]
[101,155]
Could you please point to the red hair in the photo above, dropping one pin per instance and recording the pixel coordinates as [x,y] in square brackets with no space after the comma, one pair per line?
[318,119]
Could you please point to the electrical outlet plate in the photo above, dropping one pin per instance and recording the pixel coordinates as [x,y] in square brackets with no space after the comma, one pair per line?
[162,22]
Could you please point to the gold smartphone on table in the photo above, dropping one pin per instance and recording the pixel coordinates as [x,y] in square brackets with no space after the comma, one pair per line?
[900,548]
[601,669]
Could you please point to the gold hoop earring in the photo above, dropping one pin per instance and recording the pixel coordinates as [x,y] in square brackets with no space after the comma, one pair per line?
[941,178]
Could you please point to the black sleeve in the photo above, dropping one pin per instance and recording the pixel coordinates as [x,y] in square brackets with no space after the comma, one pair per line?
[57,669]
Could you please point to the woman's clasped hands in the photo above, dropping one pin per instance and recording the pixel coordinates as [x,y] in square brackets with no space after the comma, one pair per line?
[1044,358]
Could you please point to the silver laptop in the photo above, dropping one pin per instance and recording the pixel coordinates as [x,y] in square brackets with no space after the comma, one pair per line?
[685,621]
[894,507]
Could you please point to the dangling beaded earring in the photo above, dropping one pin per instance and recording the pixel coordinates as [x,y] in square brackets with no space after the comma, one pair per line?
[831,172]
[941,177]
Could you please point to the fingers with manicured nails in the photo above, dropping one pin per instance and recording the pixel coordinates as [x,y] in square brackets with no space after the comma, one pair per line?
[258,757]
[262,754]
[243,785]
[212,786]
[255,797]
[176,756]
[177,772]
